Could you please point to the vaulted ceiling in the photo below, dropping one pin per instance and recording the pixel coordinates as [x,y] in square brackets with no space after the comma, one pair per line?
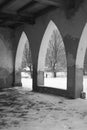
[14,13]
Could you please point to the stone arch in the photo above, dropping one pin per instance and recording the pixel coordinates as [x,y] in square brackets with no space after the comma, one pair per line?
[80,58]
[18,59]
[43,50]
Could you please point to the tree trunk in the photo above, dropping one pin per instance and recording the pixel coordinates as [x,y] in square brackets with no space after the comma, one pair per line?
[54,74]
[54,71]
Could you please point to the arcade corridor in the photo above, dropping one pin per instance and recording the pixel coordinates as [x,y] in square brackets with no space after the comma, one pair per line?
[31,24]
[37,20]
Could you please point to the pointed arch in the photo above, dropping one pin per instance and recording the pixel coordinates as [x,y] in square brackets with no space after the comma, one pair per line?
[22,45]
[20,50]
[44,44]
[43,50]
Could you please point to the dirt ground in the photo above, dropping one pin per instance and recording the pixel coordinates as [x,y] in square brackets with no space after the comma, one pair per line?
[21,109]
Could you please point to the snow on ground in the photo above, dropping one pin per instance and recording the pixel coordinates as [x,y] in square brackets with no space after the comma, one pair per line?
[21,109]
[85,84]
[26,83]
[59,82]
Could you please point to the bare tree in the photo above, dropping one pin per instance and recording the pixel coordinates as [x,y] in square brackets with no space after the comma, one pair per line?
[55,57]
[85,64]
[26,59]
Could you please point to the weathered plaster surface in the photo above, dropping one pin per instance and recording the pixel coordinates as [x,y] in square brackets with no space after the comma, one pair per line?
[6,58]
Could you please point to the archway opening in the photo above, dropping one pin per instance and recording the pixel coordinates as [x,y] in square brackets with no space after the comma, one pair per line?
[85,74]
[52,65]
[81,62]
[23,63]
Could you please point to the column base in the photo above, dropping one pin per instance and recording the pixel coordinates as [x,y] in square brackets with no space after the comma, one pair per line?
[17,84]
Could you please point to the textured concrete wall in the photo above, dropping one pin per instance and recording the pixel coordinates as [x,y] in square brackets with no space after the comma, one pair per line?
[6,58]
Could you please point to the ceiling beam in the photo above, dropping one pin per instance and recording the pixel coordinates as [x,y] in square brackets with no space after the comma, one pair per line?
[28,5]
[15,25]
[56,3]
[5,3]
[44,11]
[17,18]
[11,25]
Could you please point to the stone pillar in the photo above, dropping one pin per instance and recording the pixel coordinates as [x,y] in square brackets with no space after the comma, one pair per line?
[78,82]
[74,81]
[13,83]
[34,78]
[40,79]
[16,73]
[18,79]
[70,75]
[71,46]
[71,81]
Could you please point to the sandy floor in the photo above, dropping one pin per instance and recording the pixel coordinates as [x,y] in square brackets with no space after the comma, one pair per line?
[24,110]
